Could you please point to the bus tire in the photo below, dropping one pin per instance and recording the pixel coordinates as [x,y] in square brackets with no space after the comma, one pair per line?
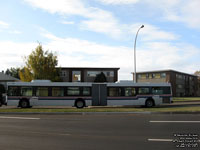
[80,103]
[24,103]
[1,103]
[149,103]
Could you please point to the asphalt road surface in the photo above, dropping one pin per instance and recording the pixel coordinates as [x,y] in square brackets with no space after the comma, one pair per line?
[99,132]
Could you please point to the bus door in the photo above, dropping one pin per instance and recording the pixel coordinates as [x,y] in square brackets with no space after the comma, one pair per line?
[99,94]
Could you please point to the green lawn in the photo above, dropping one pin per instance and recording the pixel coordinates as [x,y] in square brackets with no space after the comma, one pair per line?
[115,109]
[178,99]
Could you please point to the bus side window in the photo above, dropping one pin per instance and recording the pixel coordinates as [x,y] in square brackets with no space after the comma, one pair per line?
[130,91]
[166,90]
[26,91]
[143,90]
[57,91]
[86,91]
[114,91]
[42,91]
[14,91]
[73,91]
[157,90]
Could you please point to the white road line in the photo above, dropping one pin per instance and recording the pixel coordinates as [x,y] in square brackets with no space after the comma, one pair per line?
[25,118]
[161,140]
[174,121]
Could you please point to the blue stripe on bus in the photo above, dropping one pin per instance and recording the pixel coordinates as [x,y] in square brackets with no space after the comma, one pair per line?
[50,98]
[90,98]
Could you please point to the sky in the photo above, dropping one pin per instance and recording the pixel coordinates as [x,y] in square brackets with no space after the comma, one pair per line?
[101,33]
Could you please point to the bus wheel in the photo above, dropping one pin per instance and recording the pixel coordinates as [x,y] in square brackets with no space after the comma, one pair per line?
[0,103]
[149,103]
[24,103]
[79,103]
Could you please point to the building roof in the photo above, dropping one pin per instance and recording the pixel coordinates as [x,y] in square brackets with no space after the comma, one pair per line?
[90,68]
[167,70]
[4,77]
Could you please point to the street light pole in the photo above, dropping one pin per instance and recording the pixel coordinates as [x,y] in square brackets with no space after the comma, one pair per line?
[135,77]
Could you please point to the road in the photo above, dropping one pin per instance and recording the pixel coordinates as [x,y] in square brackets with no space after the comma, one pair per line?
[96,131]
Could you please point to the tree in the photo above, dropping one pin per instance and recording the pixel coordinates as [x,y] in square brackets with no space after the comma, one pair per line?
[14,72]
[25,75]
[100,78]
[40,64]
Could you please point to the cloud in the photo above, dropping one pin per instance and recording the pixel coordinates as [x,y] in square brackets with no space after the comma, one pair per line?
[152,33]
[12,53]
[102,21]
[67,22]
[74,52]
[101,25]
[15,32]
[190,13]
[118,2]
[5,27]
[94,19]
[151,56]
[62,7]
[4,24]
[184,11]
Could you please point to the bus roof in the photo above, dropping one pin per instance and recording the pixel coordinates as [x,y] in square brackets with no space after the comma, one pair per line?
[84,84]
[48,84]
[138,84]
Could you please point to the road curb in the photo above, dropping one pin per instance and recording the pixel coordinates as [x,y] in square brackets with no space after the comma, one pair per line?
[92,113]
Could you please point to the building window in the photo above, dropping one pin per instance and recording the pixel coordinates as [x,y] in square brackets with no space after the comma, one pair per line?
[147,76]
[109,73]
[179,76]
[76,76]
[163,75]
[179,86]
[157,75]
[153,75]
[63,73]
[93,73]
[139,76]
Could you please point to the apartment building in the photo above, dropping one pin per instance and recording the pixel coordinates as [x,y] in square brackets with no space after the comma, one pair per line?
[183,84]
[70,74]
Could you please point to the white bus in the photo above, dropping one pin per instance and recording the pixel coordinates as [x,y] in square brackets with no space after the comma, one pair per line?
[28,94]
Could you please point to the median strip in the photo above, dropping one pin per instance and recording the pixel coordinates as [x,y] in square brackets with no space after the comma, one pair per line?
[174,121]
[24,118]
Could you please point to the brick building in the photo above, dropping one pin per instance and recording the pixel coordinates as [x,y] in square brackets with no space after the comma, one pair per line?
[70,74]
[183,84]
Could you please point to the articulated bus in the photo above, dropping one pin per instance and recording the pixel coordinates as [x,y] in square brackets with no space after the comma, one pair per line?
[39,93]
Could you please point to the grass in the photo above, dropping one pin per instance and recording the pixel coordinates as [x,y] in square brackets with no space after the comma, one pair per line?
[115,109]
[179,99]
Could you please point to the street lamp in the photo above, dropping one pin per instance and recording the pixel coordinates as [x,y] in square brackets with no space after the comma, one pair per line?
[135,80]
